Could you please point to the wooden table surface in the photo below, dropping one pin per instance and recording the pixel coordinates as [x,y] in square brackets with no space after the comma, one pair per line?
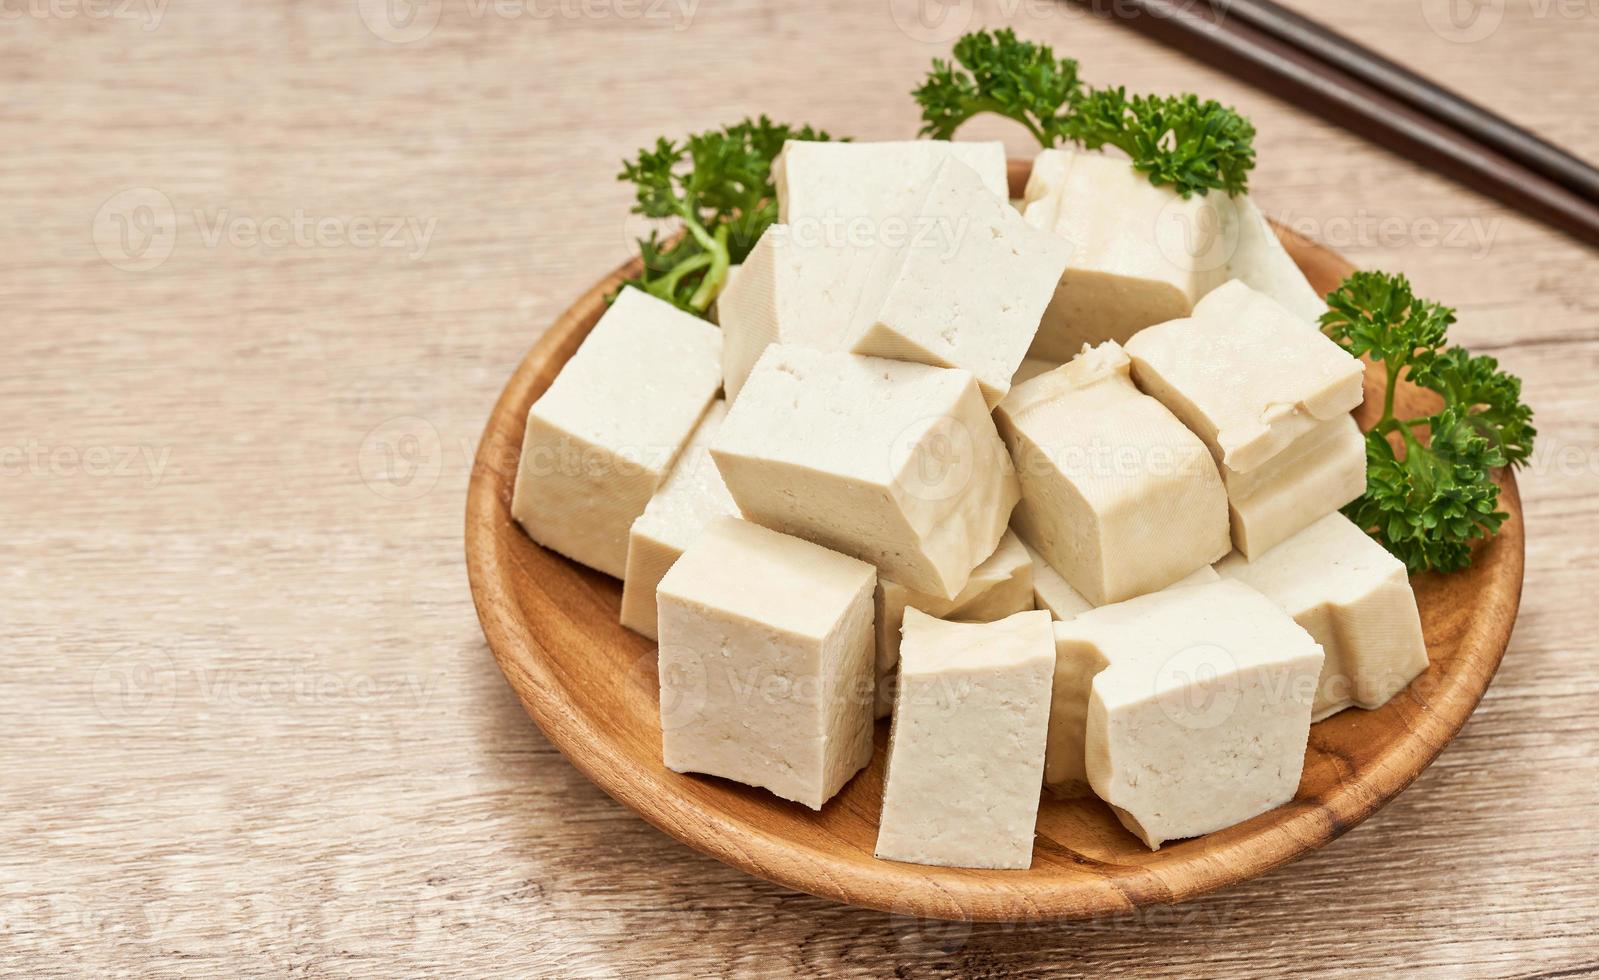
[263,269]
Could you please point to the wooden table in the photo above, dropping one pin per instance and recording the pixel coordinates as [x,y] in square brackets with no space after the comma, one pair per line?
[263,269]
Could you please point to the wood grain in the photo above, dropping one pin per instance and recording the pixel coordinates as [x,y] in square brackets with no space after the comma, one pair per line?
[591,686]
[330,776]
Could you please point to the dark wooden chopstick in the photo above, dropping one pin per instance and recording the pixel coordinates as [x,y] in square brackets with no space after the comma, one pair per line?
[1289,73]
[1419,93]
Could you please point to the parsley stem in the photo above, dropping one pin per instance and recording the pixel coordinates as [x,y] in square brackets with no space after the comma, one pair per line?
[712,283]
[1388,393]
[668,283]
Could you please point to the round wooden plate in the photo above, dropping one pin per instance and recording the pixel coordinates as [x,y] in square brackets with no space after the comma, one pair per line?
[591,686]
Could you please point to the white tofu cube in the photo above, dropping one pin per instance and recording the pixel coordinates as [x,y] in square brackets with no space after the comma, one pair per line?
[766,662]
[895,463]
[692,495]
[834,191]
[1318,473]
[1258,260]
[727,283]
[1000,586]
[1141,254]
[1187,710]
[788,291]
[1354,598]
[604,435]
[1055,595]
[966,289]
[966,755]
[1246,375]
[1117,496]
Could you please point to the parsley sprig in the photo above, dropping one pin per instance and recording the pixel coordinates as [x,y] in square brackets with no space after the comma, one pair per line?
[1194,146]
[1191,145]
[718,185]
[1431,496]
[998,73]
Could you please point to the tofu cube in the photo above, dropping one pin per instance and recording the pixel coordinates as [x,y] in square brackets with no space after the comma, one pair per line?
[1117,496]
[1246,375]
[604,435]
[1187,710]
[1055,595]
[1354,597]
[966,754]
[766,662]
[1141,254]
[894,463]
[789,290]
[1000,586]
[692,495]
[1318,473]
[965,288]
[1257,258]
[834,191]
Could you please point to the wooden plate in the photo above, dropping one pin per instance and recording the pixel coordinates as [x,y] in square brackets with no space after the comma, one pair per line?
[591,686]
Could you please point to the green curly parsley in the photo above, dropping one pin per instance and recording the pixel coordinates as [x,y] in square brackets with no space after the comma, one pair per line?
[998,73]
[1193,146]
[718,184]
[1428,500]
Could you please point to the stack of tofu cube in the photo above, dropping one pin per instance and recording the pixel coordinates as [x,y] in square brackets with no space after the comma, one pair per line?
[1052,485]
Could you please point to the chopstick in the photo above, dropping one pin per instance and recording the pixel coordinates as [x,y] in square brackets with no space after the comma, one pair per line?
[1263,60]
[1425,96]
